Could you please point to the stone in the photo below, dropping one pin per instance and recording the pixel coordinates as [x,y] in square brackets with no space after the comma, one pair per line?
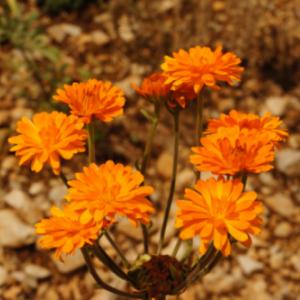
[276,105]
[18,200]
[281,204]
[268,179]
[36,271]
[218,6]
[60,31]
[8,163]
[57,194]
[288,162]
[283,230]
[69,263]
[3,275]
[164,165]
[295,260]
[14,232]
[36,188]
[125,30]
[277,260]
[99,38]
[185,178]
[248,264]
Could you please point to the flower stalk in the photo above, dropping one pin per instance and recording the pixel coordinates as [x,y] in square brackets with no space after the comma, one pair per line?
[173,181]
[91,142]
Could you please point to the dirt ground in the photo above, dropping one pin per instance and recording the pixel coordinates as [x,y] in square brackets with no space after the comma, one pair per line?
[123,41]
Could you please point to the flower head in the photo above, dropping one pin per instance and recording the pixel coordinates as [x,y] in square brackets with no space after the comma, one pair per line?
[266,124]
[46,138]
[93,98]
[199,67]
[217,209]
[104,192]
[66,232]
[233,151]
[153,87]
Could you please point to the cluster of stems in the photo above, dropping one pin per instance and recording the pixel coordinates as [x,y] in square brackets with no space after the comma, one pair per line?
[198,268]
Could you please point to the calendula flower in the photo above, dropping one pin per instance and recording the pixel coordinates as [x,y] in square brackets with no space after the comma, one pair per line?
[214,210]
[65,232]
[102,193]
[181,96]
[93,99]
[153,87]
[47,138]
[234,151]
[266,124]
[199,67]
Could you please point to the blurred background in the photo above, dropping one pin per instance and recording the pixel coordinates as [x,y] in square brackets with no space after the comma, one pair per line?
[46,43]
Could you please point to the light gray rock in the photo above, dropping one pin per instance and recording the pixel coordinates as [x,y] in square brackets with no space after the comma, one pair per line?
[14,232]
[69,263]
[276,105]
[164,165]
[283,230]
[18,200]
[36,271]
[281,204]
[3,275]
[248,264]
[36,188]
[57,194]
[60,31]
[288,162]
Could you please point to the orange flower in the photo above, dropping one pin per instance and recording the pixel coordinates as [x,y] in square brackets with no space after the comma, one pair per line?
[182,96]
[93,98]
[153,87]
[233,151]
[200,66]
[109,190]
[215,209]
[66,232]
[47,137]
[265,124]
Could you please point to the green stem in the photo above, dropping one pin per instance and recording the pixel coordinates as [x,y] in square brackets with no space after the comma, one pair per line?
[176,248]
[199,118]
[173,181]
[117,249]
[108,262]
[91,142]
[63,178]
[104,285]
[145,161]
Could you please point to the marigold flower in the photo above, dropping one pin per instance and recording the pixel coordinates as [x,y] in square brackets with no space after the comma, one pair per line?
[153,87]
[234,151]
[93,98]
[266,124]
[66,232]
[215,209]
[104,192]
[200,66]
[46,138]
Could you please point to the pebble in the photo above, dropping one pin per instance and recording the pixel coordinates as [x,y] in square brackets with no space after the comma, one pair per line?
[36,271]
[3,275]
[288,162]
[276,260]
[57,194]
[186,178]
[249,265]
[281,204]
[268,179]
[60,31]
[69,263]
[276,105]
[18,200]
[14,232]
[295,260]
[99,38]
[36,188]
[283,230]
[164,165]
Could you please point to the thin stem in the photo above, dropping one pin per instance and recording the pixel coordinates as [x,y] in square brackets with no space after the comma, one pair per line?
[108,262]
[173,181]
[145,161]
[199,118]
[91,142]
[177,246]
[101,283]
[244,180]
[118,250]
[64,178]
